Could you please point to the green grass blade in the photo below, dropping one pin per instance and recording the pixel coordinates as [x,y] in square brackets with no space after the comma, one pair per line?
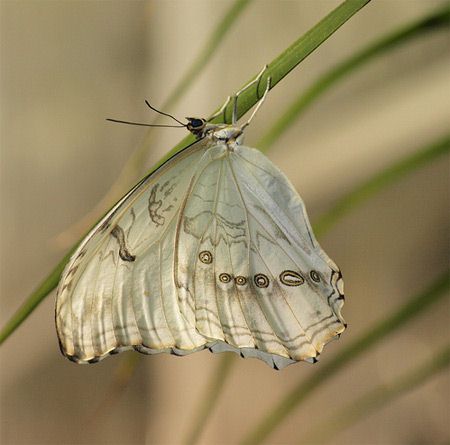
[297,52]
[380,181]
[440,19]
[376,333]
[377,398]
[278,69]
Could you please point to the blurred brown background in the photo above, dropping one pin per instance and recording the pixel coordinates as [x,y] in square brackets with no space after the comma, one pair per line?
[66,65]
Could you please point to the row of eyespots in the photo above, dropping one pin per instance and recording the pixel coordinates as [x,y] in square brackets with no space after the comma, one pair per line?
[287,277]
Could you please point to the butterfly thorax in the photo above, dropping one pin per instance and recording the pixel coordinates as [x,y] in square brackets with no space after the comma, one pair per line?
[229,135]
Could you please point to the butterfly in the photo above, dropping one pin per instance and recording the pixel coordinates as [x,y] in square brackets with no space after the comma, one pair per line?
[212,250]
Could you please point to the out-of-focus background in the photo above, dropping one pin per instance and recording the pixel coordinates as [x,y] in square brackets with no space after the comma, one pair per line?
[66,66]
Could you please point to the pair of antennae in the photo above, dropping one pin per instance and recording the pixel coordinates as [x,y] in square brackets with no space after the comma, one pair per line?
[152,125]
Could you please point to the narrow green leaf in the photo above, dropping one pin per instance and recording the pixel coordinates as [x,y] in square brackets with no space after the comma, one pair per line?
[278,69]
[440,19]
[377,398]
[376,333]
[297,52]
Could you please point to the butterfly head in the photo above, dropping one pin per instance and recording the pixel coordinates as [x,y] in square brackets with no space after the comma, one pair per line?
[196,126]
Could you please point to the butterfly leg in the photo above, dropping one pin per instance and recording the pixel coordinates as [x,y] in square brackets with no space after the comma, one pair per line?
[259,104]
[220,110]
[245,87]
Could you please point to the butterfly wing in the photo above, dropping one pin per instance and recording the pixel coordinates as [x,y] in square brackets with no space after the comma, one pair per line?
[213,250]
[117,290]
[250,274]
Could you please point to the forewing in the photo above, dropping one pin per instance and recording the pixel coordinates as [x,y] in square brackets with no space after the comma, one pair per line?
[118,289]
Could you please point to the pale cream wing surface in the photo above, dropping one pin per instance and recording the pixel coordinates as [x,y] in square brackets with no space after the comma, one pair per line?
[118,291]
[213,250]
[250,275]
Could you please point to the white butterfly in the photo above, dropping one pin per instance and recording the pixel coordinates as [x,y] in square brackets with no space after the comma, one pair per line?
[213,250]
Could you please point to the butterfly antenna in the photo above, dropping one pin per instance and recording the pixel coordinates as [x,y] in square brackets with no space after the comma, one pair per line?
[164,114]
[145,125]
